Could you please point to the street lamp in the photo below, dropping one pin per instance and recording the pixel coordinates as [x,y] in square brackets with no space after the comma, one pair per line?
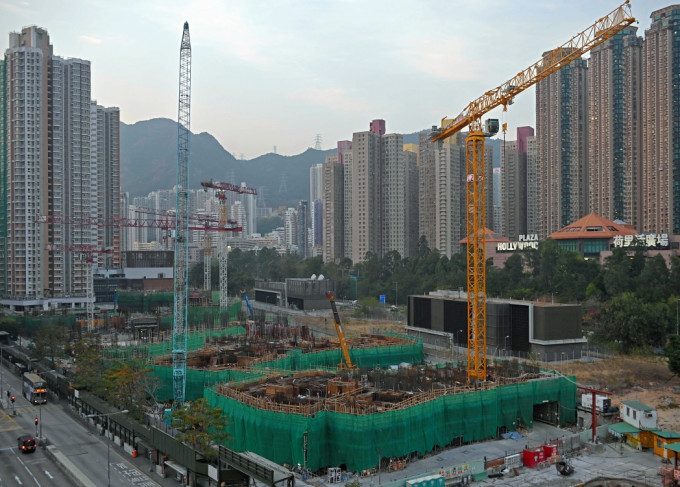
[108,443]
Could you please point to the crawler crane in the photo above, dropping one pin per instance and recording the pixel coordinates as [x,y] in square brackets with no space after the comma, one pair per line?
[341,334]
[503,95]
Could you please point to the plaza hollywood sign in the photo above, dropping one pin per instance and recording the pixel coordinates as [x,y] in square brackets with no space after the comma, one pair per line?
[524,242]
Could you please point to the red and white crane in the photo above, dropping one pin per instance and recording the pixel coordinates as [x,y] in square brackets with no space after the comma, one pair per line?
[223,249]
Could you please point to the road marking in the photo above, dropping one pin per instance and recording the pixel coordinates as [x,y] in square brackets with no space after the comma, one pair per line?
[7,423]
[48,474]
[29,472]
[18,480]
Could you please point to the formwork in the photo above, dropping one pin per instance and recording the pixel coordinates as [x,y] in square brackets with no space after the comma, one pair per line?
[438,419]
[403,349]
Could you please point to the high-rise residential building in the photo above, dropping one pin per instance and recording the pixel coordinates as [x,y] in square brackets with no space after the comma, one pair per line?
[290,222]
[392,193]
[333,206]
[615,127]
[54,162]
[366,174]
[533,218]
[378,191]
[250,221]
[427,206]
[303,227]
[105,154]
[497,210]
[451,194]
[562,139]
[315,195]
[514,184]
[661,123]
[25,263]
[317,228]
[411,223]
[450,177]
[238,213]
[345,159]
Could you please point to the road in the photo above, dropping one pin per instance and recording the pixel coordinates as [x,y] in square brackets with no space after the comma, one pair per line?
[24,469]
[84,448]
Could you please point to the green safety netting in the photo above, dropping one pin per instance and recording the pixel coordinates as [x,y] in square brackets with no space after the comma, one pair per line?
[198,380]
[294,360]
[385,356]
[29,325]
[138,302]
[195,341]
[472,416]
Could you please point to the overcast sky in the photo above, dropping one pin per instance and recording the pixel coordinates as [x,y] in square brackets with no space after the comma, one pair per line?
[276,73]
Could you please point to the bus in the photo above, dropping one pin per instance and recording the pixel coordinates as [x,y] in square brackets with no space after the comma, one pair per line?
[35,388]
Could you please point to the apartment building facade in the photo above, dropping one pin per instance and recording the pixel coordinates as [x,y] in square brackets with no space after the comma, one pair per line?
[51,166]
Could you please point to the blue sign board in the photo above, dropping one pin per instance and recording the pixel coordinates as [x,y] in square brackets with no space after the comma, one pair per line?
[382,298]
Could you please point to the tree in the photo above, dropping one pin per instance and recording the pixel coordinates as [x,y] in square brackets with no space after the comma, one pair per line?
[200,426]
[124,385]
[89,366]
[632,323]
[49,341]
[672,353]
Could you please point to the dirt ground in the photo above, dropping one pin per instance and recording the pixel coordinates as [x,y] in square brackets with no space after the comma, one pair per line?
[643,379]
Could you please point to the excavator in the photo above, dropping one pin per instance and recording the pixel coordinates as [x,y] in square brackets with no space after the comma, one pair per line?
[250,306]
[341,335]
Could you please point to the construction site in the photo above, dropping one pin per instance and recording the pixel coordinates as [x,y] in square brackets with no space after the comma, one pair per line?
[290,395]
[298,398]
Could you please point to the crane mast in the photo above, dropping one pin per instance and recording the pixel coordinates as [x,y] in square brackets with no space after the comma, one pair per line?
[223,250]
[181,274]
[603,29]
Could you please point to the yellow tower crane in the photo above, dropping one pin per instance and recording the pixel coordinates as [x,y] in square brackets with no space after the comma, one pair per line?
[471,116]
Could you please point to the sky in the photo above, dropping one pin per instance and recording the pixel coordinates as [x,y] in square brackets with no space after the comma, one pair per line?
[271,76]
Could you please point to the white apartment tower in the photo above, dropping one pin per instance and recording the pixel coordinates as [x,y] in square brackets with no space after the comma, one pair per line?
[249,222]
[290,227]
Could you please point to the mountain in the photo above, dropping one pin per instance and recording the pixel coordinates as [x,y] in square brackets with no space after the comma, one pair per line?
[149,162]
